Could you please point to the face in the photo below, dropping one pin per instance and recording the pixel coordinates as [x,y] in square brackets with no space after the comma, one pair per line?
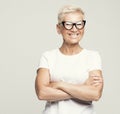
[73,35]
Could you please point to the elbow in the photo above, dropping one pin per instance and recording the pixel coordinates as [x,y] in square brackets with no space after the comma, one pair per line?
[41,95]
[97,97]
[41,92]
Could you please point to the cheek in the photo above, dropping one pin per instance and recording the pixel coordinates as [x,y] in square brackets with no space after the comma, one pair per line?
[63,32]
[82,31]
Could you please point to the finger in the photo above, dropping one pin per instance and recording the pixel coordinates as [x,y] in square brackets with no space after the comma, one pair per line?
[97,81]
[96,84]
[97,78]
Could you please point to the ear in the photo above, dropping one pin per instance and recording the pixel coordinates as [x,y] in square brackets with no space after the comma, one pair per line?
[58,29]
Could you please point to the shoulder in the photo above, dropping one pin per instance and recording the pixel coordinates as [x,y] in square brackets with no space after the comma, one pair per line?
[89,52]
[50,53]
[94,60]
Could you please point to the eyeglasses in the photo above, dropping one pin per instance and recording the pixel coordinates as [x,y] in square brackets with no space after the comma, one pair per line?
[69,25]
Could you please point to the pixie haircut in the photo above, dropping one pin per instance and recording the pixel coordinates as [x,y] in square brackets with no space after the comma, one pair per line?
[68,9]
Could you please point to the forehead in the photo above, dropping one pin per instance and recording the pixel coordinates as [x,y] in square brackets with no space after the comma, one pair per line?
[73,17]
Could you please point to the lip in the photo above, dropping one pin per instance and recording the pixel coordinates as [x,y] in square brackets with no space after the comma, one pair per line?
[74,35]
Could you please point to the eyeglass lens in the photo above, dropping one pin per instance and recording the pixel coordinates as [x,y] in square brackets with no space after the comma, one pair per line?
[69,25]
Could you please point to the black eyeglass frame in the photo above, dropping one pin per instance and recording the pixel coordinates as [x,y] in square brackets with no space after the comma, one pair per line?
[73,24]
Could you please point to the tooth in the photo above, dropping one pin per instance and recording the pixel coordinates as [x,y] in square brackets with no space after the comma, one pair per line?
[74,35]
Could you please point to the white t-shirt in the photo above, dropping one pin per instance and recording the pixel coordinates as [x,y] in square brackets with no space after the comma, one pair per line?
[72,69]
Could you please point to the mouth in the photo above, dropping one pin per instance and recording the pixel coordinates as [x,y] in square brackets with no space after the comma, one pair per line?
[74,35]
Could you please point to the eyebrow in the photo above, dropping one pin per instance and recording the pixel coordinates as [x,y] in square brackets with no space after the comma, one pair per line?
[73,22]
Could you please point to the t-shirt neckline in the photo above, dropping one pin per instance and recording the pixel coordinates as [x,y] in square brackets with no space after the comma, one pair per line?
[74,55]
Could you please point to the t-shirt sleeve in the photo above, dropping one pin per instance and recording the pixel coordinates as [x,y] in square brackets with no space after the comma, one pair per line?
[95,62]
[43,62]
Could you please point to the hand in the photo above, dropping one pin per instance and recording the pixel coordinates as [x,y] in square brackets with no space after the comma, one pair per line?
[97,80]
[94,80]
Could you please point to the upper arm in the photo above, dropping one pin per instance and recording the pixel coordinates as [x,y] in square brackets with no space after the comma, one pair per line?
[96,73]
[95,67]
[42,79]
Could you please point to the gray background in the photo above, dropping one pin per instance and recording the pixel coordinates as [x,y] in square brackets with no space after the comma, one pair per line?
[27,28]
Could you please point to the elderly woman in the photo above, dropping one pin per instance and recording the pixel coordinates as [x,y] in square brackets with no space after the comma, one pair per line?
[69,78]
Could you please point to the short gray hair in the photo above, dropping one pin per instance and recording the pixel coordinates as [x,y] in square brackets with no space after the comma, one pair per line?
[68,9]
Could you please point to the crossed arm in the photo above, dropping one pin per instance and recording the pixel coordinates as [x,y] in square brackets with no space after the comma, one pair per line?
[90,90]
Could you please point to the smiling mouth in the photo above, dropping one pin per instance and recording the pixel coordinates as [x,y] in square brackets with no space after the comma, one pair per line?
[73,35]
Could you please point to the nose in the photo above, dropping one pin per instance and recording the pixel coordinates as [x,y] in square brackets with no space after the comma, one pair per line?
[74,28]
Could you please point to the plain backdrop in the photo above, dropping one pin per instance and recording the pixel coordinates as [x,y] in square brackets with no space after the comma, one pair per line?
[28,28]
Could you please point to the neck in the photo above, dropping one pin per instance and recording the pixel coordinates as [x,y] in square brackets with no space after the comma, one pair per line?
[70,49]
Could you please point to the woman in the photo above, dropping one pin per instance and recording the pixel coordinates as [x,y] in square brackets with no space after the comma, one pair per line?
[70,78]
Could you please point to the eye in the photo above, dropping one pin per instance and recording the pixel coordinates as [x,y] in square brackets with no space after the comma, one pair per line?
[68,23]
[79,23]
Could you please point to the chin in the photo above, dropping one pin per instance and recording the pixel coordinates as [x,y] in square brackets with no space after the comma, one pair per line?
[75,41]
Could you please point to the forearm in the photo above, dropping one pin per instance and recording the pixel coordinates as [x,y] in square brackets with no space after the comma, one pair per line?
[51,94]
[44,90]
[82,92]
[90,90]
